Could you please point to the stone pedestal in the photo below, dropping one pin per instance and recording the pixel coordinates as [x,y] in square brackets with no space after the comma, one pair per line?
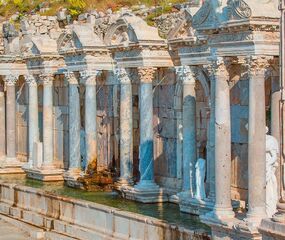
[74,168]
[10,164]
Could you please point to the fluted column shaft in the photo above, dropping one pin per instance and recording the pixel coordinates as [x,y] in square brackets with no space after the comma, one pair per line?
[33,116]
[74,124]
[48,148]
[256,140]
[185,75]
[146,164]
[126,128]
[90,118]
[11,117]
[223,207]
[2,123]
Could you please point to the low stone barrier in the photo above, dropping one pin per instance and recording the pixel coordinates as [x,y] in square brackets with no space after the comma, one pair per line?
[66,218]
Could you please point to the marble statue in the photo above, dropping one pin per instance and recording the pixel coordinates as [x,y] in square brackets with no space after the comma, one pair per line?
[272,151]
[200,176]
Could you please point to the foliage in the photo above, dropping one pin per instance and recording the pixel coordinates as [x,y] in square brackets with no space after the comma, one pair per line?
[76,7]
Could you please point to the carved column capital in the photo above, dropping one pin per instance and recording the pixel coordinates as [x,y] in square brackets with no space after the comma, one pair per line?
[47,79]
[219,66]
[89,76]
[11,80]
[146,74]
[31,80]
[122,75]
[185,74]
[257,64]
[71,78]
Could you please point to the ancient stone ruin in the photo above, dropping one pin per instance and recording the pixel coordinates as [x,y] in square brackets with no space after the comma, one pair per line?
[173,113]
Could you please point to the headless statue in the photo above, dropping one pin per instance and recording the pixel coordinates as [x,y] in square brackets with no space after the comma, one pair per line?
[272,151]
[200,176]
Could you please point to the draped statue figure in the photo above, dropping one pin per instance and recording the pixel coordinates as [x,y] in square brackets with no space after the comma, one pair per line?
[272,152]
[200,177]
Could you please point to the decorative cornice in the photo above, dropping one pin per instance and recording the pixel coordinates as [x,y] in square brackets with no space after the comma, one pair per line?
[122,75]
[11,80]
[185,74]
[146,74]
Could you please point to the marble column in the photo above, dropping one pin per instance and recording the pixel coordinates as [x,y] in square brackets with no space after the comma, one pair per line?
[11,156]
[256,141]
[74,125]
[33,117]
[223,206]
[186,76]
[2,124]
[146,164]
[211,139]
[89,78]
[48,148]
[126,128]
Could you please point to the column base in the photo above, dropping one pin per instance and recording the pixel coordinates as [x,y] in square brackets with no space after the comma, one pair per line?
[11,166]
[145,192]
[271,230]
[191,205]
[71,178]
[122,182]
[45,175]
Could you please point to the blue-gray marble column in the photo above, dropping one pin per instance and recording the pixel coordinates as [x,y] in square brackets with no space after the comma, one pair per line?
[33,116]
[11,118]
[126,128]
[48,148]
[2,124]
[146,160]
[223,206]
[186,75]
[74,124]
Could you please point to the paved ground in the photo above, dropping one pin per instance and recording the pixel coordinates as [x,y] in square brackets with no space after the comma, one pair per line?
[10,232]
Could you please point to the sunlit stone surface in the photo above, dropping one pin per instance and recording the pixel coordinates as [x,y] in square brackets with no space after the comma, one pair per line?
[173,113]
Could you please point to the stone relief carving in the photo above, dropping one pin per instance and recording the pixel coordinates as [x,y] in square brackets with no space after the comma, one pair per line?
[203,13]
[200,177]
[239,9]
[272,152]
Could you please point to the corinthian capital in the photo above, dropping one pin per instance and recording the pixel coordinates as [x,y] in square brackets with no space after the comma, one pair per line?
[11,80]
[89,76]
[185,74]
[146,74]
[122,75]
[71,78]
[257,64]
[31,80]
[47,78]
